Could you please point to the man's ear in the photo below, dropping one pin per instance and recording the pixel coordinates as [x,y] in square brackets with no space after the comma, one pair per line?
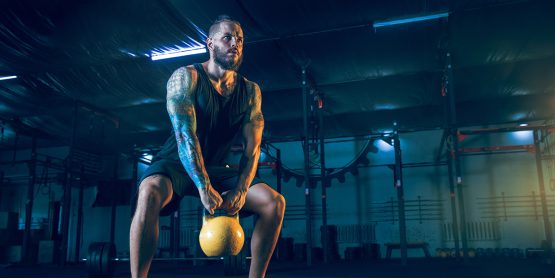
[210,43]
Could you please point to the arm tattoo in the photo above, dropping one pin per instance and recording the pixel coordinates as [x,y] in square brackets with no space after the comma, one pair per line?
[256,117]
[181,109]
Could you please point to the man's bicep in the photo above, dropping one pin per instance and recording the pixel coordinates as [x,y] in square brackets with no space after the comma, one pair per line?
[254,126]
[180,99]
[255,117]
[252,131]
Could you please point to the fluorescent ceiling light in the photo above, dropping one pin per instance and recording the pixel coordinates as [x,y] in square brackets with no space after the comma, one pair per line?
[404,20]
[8,77]
[178,52]
[523,125]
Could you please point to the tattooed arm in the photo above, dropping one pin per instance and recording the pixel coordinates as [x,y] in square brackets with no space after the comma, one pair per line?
[252,134]
[181,109]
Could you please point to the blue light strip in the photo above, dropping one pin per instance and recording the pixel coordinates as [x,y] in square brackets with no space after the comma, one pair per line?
[390,22]
[8,77]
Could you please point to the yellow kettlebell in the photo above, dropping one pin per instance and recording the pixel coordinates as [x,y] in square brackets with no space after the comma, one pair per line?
[221,235]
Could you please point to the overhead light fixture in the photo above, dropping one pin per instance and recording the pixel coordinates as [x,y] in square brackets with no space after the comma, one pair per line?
[523,125]
[410,19]
[176,52]
[8,77]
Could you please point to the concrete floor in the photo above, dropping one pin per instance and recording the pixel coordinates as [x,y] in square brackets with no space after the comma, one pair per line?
[476,268]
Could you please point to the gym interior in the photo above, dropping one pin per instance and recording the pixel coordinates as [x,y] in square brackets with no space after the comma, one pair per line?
[408,138]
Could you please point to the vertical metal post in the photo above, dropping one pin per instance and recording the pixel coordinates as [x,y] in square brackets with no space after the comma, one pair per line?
[55,222]
[115,177]
[452,198]
[448,123]
[278,170]
[543,199]
[278,189]
[133,190]
[29,203]
[175,226]
[113,213]
[325,242]
[177,231]
[66,203]
[455,153]
[460,195]
[79,218]
[307,170]
[398,183]
[448,107]
[66,206]
[172,235]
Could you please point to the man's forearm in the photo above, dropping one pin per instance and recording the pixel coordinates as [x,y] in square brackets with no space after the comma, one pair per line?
[247,169]
[252,133]
[190,155]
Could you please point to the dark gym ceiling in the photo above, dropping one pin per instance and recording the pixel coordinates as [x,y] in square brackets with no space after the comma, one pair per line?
[85,64]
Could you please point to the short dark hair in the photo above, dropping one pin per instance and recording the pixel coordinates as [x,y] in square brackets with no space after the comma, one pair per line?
[221,18]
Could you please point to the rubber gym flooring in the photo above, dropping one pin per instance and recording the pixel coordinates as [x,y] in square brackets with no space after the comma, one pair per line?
[383,268]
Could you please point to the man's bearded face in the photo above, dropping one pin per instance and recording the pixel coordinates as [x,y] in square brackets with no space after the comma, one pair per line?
[229,59]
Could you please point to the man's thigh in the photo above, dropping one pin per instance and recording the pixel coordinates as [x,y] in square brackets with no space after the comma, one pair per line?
[174,173]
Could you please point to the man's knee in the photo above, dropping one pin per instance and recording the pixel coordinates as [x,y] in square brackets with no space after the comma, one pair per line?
[280,203]
[154,193]
[276,205]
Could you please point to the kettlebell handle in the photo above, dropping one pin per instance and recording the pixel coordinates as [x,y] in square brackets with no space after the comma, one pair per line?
[206,215]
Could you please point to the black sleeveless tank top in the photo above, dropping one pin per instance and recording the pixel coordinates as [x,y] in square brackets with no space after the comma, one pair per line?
[219,120]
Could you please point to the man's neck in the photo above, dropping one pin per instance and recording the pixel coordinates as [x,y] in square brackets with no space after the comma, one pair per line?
[222,79]
[218,74]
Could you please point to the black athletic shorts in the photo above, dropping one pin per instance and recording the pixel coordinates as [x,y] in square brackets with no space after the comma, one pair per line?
[222,179]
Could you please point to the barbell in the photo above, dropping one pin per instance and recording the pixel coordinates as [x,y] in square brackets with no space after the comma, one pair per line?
[101,260]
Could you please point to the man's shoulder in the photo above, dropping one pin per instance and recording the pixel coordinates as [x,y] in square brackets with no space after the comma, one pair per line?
[189,69]
[183,78]
[252,86]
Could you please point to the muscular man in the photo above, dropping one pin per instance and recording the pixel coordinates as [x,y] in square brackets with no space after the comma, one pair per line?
[209,104]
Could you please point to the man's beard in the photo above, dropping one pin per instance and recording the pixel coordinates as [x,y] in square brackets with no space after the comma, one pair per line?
[225,62]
